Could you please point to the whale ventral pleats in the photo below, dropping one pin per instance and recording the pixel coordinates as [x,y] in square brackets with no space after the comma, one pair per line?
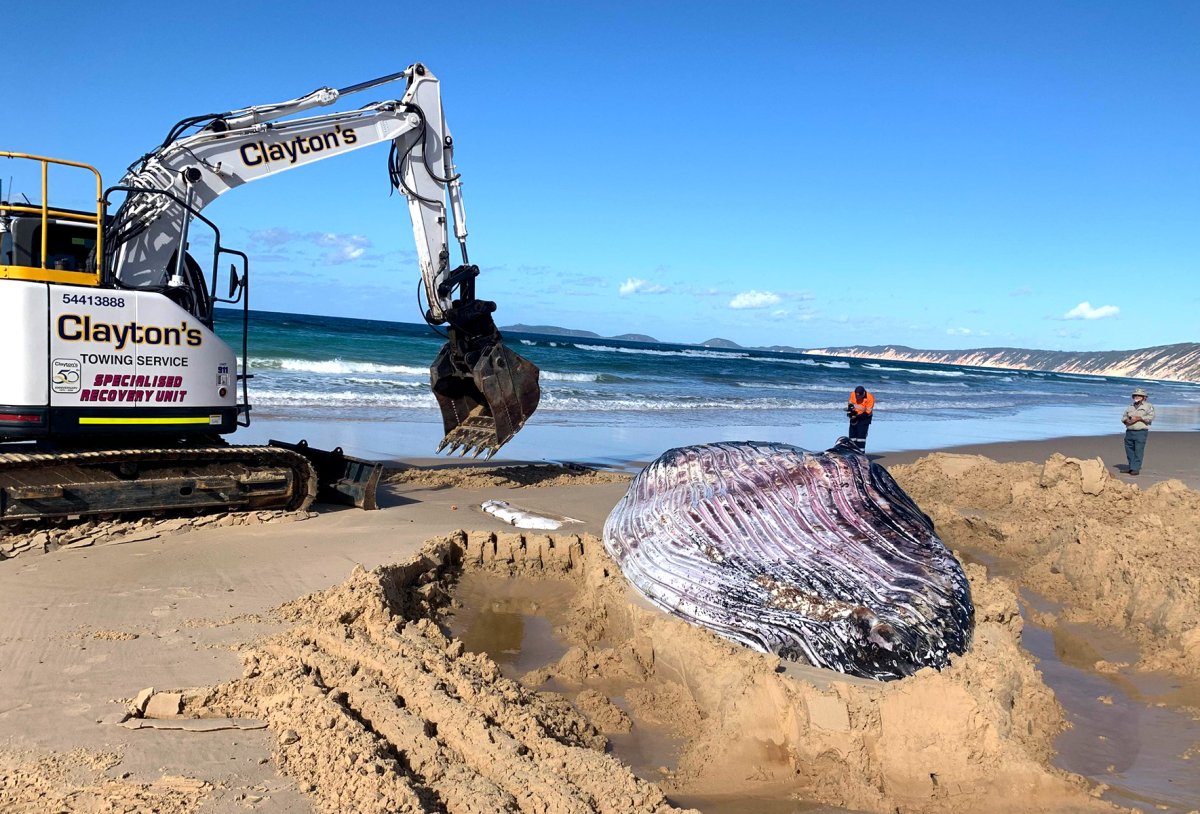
[818,557]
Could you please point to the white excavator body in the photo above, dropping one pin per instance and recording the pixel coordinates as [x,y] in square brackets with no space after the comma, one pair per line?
[97,360]
[107,319]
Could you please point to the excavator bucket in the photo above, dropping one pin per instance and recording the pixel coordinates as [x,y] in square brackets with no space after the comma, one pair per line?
[486,392]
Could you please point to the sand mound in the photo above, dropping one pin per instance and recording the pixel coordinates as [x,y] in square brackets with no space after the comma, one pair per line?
[467,477]
[961,740]
[375,709]
[1111,553]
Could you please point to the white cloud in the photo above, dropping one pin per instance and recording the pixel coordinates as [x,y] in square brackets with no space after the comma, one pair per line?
[345,248]
[959,331]
[754,299]
[1085,311]
[1023,291]
[636,286]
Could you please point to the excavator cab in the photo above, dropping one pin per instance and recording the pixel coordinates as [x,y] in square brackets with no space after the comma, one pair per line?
[485,391]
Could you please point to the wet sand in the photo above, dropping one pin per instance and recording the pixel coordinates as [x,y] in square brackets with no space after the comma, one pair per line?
[195,611]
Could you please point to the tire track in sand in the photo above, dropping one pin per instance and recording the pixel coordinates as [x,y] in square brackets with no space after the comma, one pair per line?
[375,709]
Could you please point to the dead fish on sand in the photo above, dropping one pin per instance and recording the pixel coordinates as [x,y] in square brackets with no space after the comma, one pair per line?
[819,557]
[505,511]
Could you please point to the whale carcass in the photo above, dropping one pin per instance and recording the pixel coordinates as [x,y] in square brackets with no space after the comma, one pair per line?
[819,557]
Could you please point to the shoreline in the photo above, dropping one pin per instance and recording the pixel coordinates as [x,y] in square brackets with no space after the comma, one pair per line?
[628,448]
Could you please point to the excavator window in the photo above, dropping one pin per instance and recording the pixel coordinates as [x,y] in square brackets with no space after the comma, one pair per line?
[68,247]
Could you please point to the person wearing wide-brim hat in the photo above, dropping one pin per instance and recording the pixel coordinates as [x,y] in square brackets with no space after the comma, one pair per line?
[1137,419]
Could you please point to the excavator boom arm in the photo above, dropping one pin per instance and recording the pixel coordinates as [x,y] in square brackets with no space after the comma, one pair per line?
[250,145]
[484,390]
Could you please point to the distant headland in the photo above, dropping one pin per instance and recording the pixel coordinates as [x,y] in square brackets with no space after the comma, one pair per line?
[554,330]
[1179,362]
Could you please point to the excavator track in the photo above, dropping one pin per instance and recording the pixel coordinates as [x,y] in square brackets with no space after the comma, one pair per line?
[48,485]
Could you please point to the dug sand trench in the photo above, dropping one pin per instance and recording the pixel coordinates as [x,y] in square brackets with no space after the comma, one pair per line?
[375,708]
[1111,553]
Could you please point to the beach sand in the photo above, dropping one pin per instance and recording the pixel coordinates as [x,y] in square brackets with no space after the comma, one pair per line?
[427,657]
[1168,454]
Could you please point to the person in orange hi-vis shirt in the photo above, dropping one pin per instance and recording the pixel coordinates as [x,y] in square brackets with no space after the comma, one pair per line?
[860,408]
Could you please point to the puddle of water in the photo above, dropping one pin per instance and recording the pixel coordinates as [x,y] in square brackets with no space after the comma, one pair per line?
[512,621]
[647,747]
[1117,736]
[1082,645]
[1036,601]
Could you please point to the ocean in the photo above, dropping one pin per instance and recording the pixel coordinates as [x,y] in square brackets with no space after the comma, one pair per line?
[363,385]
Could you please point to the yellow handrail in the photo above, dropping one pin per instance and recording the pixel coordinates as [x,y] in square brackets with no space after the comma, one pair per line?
[57,275]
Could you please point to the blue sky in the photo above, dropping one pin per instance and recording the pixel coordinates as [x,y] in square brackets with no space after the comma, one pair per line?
[939,175]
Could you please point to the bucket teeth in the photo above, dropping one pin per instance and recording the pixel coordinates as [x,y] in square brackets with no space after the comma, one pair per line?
[470,438]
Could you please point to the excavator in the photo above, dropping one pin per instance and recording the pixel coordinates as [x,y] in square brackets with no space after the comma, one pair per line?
[117,394]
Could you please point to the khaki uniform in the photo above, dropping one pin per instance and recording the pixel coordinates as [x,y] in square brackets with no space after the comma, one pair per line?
[1136,433]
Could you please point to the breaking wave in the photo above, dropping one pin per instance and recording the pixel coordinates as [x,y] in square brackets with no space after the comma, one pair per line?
[334,366]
